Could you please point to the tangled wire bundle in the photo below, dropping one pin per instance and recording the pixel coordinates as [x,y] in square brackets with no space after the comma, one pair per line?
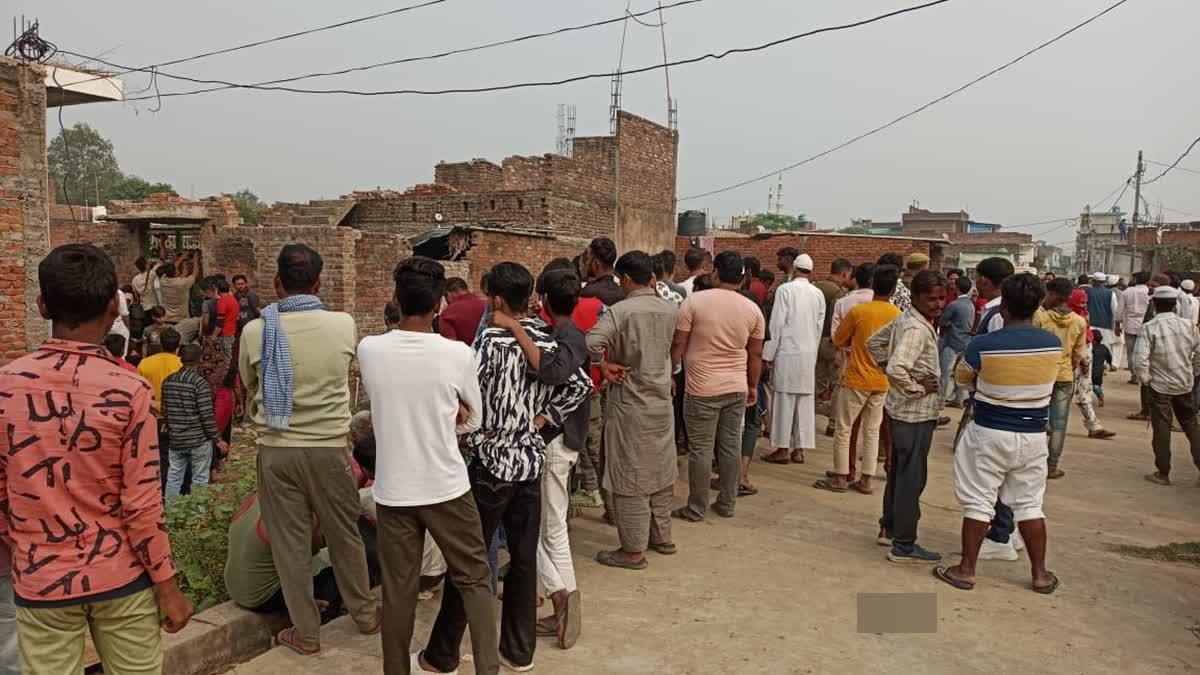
[29,46]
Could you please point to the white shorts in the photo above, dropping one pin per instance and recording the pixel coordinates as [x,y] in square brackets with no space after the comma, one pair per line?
[989,463]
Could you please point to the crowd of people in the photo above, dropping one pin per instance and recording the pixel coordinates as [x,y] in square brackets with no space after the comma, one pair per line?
[494,416]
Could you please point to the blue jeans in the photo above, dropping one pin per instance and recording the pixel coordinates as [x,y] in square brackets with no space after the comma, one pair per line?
[1060,411]
[950,390]
[198,458]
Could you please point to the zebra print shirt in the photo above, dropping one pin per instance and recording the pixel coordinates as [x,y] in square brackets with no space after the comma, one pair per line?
[507,443]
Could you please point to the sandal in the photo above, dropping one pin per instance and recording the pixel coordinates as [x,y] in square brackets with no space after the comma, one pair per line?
[943,573]
[794,454]
[573,621]
[832,474]
[1049,588]
[665,548]
[617,559]
[773,459]
[287,637]
[684,513]
[828,485]
[858,487]
[747,490]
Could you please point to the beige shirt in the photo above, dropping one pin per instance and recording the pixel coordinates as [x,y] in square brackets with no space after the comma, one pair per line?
[322,345]
[174,293]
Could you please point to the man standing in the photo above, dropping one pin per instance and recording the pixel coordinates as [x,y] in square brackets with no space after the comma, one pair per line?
[864,386]
[634,352]
[1167,359]
[230,312]
[156,368]
[598,260]
[508,455]
[1056,317]
[1102,309]
[917,263]
[146,283]
[796,325]
[175,286]
[421,483]
[1003,449]
[956,323]
[785,259]
[901,297]
[295,362]
[908,350]
[1135,300]
[248,302]
[719,339]
[833,288]
[464,310]
[667,256]
[187,406]
[81,432]
[693,260]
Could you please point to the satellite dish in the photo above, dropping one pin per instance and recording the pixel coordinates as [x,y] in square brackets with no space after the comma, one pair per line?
[437,217]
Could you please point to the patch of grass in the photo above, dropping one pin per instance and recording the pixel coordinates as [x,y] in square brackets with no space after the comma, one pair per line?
[1187,553]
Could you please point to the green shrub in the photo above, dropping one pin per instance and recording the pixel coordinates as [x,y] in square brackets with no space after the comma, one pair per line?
[198,526]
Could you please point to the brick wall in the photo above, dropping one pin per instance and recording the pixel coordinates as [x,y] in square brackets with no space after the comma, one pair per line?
[24,227]
[411,214]
[477,175]
[487,248]
[648,154]
[824,249]
[122,243]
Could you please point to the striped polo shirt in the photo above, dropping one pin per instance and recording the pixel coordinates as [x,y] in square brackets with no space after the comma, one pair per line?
[1012,372]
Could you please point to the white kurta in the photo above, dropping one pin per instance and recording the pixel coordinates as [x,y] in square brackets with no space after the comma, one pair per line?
[796,323]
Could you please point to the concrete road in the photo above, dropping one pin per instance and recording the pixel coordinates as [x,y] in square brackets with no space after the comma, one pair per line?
[774,589]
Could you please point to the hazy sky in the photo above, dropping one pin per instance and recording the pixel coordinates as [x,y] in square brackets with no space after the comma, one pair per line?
[1038,141]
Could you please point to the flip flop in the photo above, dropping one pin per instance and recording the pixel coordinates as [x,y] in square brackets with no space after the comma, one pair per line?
[857,487]
[826,485]
[768,460]
[613,559]
[574,622]
[794,461]
[943,574]
[287,637]
[746,491]
[684,513]
[1048,589]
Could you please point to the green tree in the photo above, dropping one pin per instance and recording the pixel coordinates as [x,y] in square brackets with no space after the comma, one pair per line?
[249,206]
[82,164]
[778,222]
[853,229]
[134,188]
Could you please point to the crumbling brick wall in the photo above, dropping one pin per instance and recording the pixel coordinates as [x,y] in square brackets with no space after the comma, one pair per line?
[411,214]
[647,161]
[24,217]
[489,247]
[477,175]
[69,225]
[824,249]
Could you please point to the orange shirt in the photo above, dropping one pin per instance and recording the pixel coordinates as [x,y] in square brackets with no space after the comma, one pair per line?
[79,477]
[860,324]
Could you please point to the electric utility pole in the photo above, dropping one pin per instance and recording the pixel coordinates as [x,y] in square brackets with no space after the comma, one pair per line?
[1137,199]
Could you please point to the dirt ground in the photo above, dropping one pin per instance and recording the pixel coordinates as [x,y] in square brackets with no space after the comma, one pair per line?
[774,589]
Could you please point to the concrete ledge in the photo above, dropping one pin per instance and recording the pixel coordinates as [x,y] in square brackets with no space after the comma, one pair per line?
[219,637]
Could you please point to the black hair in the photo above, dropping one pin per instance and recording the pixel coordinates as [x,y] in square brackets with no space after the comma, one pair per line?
[512,282]
[391,314]
[140,264]
[925,281]
[134,358]
[191,353]
[1176,280]
[221,284]
[1060,286]
[77,283]
[155,312]
[560,264]
[729,267]
[694,259]
[127,288]
[1164,305]
[236,277]
[1022,294]
[231,377]
[894,259]
[1082,280]
[668,259]
[660,270]
[753,266]
[420,285]
[167,270]
[1140,278]
[457,285]
[364,452]
[637,266]
[115,344]
[884,281]
[788,252]
[170,339]
[995,270]
[207,283]
[703,282]
[604,250]
[1097,336]
[864,273]
[955,270]
[840,265]
[767,277]
[299,267]
[561,288]
[962,284]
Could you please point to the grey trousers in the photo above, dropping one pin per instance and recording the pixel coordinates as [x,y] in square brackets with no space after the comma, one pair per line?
[591,466]
[714,424]
[294,484]
[643,520]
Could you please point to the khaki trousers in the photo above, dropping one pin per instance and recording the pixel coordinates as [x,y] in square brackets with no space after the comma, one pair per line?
[125,631]
[294,484]
[850,404]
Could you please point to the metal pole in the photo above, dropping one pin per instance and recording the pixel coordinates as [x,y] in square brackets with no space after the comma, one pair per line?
[1137,198]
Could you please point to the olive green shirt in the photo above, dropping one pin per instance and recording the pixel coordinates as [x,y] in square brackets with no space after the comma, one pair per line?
[250,575]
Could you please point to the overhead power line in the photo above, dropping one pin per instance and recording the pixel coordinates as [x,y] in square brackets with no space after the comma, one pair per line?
[916,111]
[256,43]
[1177,168]
[411,59]
[1175,164]
[578,78]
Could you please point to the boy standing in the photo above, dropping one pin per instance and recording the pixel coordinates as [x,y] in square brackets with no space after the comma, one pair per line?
[1071,329]
[188,409]
[81,433]
[506,468]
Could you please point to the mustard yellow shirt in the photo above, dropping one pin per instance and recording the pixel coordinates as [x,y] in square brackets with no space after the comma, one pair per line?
[862,373]
[157,368]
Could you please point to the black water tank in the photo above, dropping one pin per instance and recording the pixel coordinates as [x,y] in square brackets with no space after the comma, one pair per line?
[692,223]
